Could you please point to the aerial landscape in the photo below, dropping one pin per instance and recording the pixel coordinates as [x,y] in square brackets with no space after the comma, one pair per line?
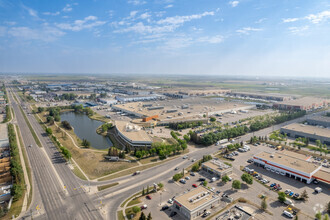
[164,109]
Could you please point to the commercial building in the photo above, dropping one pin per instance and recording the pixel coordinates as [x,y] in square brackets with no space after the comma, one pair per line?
[217,168]
[137,98]
[292,165]
[319,120]
[195,202]
[132,135]
[263,96]
[313,133]
[306,103]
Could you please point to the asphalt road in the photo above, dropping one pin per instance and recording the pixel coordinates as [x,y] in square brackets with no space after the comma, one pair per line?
[49,195]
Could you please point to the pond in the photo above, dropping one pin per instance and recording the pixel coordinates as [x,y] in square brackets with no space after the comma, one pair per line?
[85,128]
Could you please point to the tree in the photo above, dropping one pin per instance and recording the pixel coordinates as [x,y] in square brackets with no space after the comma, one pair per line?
[136,209]
[205,183]
[304,195]
[247,178]
[318,216]
[177,176]
[49,131]
[143,191]
[142,216]
[281,196]
[236,184]
[195,167]
[328,208]
[212,119]
[66,125]
[225,179]
[40,109]
[264,204]
[326,217]
[149,216]
[85,143]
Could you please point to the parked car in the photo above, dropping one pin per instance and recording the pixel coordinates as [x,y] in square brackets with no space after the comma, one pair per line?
[287,191]
[144,206]
[183,181]
[194,185]
[192,174]
[173,214]
[206,214]
[201,179]
[316,181]
[250,160]
[170,201]
[296,195]
[185,157]
[148,197]
[288,214]
[291,193]
[165,207]
[187,178]
[272,185]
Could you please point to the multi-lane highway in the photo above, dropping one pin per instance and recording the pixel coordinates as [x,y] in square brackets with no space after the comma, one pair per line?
[57,191]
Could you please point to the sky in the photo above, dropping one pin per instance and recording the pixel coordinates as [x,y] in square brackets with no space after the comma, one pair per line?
[199,37]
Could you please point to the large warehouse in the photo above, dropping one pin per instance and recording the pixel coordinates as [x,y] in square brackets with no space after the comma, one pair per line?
[292,165]
[132,135]
[313,133]
[306,103]
[195,202]
[319,120]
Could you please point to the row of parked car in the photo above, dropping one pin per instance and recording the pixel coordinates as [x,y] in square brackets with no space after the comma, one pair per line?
[256,175]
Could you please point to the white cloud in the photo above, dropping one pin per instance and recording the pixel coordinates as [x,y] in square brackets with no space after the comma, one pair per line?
[46,34]
[132,14]
[160,13]
[260,20]
[136,2]
[319,17]
[147,29]
[212,40]
[3,31]
[145,15]
[78,25]
[247,30]
[183,19]
[168,6]
[288,20]
[67,8]
[11,23]
[31,11]
[234,3]
[51,13]
[298,30]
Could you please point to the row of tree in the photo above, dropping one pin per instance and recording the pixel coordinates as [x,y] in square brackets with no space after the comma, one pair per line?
[262,123]
[114,152]
[184,125]
[15,165]
[213,137]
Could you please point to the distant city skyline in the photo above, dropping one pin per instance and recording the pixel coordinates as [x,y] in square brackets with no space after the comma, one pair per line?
[207,37]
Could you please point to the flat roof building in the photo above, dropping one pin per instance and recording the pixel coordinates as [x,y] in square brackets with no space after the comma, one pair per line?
[292,165]
[305,103]
[264,96]
[313,133]
[319,120]
[132,135]
[4,141]
[195,202]
[217,168]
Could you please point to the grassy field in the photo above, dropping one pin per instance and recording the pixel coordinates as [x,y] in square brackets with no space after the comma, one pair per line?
[78,173]
[134,202]
[120,215]
[31,129]
[103,187]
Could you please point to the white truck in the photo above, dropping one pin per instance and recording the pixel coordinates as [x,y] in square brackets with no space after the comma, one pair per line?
[318,190]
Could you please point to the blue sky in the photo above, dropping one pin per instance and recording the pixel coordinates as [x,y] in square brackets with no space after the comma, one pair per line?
[218,37]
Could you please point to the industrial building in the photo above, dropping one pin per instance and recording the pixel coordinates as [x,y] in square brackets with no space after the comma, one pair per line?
[319,120]
[306,103]
[4,141]
[166,111]
[217,168]
[195,202]
[137,98]
[292,165]
[263,96]
[132,135]
[313,133]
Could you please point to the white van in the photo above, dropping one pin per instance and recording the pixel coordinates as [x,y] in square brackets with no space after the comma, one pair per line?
[318,190]
[288,214]
[288,202]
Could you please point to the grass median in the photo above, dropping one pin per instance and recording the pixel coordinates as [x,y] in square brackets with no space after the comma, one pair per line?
[103,187]
[31,129]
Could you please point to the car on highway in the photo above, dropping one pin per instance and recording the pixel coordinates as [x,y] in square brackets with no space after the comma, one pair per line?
[185,157]
[193,160]
[136,173]
[176,168]
[30,145]
[148,197]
